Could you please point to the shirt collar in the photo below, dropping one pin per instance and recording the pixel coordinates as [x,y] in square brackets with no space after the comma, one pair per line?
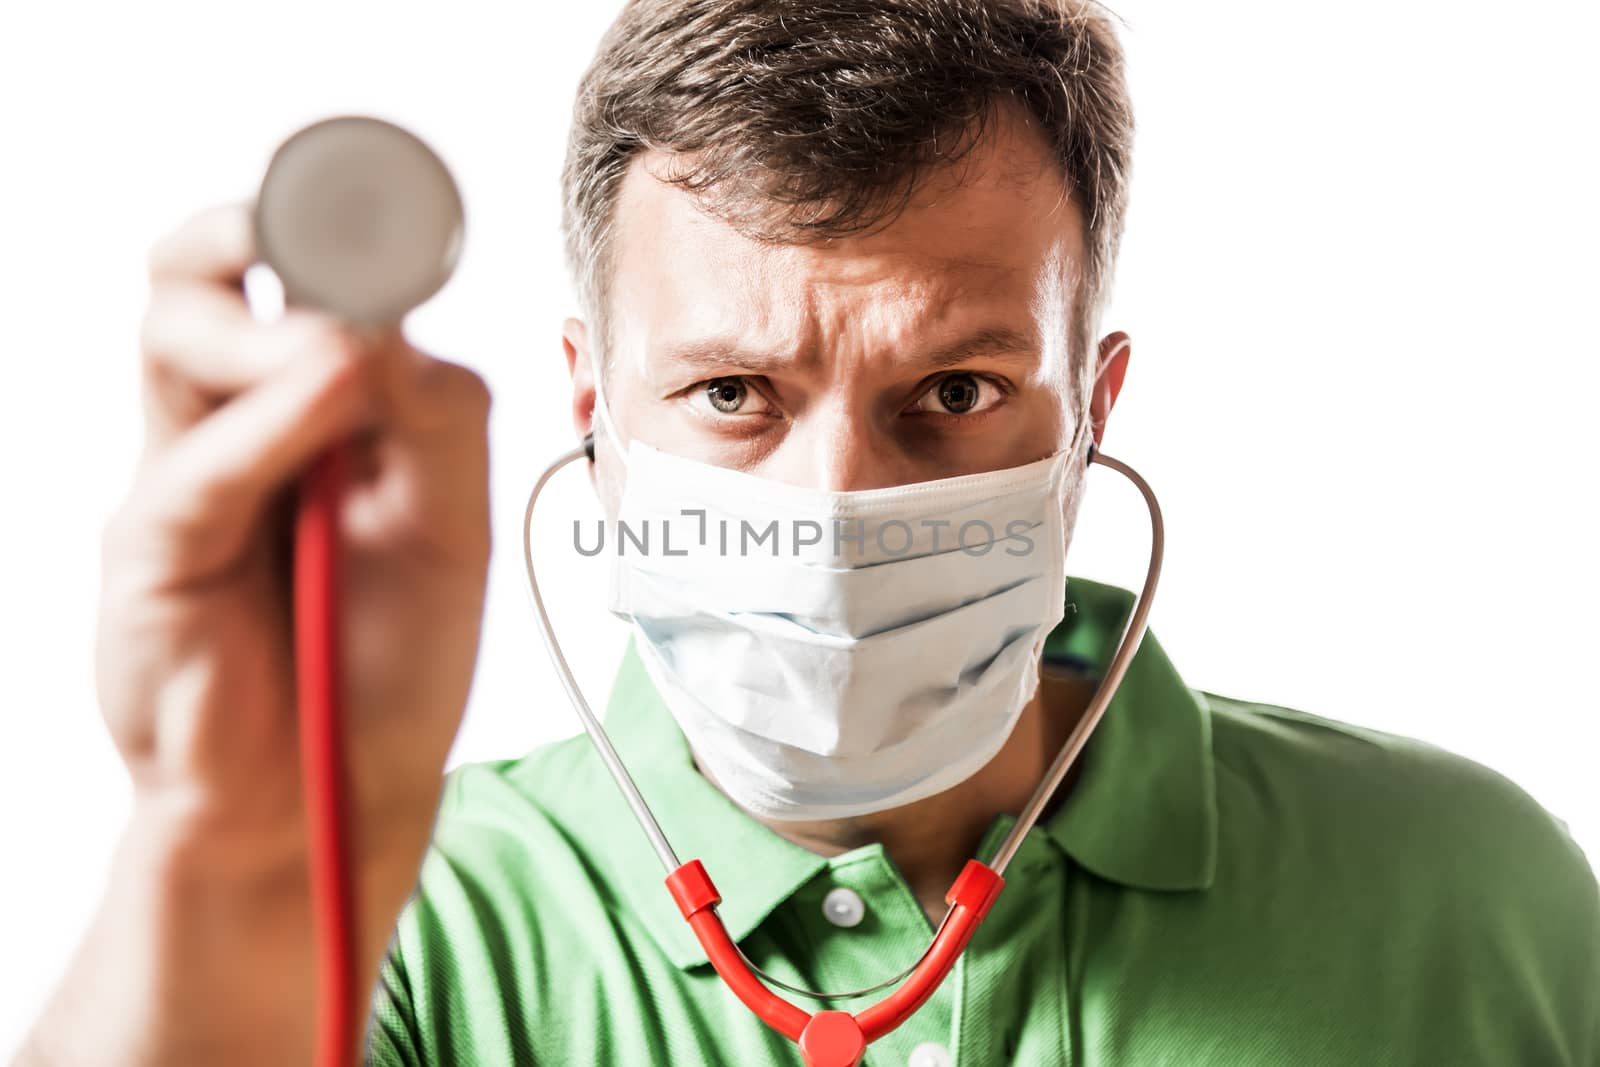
[1142,813]
[753,868]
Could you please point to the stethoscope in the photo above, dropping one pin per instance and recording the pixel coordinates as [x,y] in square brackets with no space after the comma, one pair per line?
[372,269]
[832,1038]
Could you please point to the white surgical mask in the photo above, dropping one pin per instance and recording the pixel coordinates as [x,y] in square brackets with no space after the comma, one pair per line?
[832,654]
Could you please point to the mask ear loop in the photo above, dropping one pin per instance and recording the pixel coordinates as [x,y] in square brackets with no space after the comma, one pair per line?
[832,1038]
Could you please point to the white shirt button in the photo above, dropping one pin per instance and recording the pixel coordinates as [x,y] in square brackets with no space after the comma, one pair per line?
[930,1054]
[844,907]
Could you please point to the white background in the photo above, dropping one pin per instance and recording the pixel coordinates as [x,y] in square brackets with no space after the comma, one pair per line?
[1359,275]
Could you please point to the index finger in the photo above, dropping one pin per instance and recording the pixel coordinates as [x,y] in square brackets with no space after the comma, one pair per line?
[216,244]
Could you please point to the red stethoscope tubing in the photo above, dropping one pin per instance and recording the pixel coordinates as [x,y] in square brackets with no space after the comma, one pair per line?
[835,1038]
[323,781]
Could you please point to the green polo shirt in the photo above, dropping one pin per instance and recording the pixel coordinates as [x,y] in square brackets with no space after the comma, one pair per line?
[1228,883]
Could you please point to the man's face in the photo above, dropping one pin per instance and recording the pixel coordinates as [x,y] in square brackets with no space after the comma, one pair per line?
[937,346]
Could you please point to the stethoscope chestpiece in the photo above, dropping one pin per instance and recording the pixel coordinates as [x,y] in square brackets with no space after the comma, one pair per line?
[358,218]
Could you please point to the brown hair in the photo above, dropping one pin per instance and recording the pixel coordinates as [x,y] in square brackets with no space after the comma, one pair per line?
[829,111]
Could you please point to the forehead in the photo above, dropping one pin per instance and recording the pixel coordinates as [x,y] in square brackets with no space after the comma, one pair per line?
[996,232]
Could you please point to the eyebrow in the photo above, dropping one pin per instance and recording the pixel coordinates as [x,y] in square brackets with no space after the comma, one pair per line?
[993,342]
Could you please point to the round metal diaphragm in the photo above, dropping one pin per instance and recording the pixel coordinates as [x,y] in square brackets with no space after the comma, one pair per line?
[359,218]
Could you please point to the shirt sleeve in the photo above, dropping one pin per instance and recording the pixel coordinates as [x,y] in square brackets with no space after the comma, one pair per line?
[392,1033]
[1579,923]
[1594,949]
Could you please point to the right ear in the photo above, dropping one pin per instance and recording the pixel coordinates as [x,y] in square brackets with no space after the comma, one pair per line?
[580,366]
[1111,369]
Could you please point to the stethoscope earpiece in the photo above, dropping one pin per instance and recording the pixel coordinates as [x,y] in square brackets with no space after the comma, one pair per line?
[588,445]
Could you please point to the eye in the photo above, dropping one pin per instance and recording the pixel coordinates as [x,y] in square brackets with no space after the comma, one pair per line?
[727,394]
[960,394]
[731,396]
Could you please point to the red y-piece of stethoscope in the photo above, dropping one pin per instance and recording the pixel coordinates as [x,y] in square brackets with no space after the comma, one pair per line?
[839,1038]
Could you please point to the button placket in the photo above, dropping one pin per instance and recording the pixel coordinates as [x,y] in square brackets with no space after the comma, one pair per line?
[890,932]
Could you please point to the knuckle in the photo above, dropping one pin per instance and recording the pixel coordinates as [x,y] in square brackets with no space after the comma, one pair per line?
[153,326]
[177,502]
[127,536]
[451,394]
[166,253]
[478,396]
[194,511]
[159,254]
[179,250]
[468,390]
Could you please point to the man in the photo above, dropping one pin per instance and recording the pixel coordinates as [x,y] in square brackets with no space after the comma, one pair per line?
[836,247]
